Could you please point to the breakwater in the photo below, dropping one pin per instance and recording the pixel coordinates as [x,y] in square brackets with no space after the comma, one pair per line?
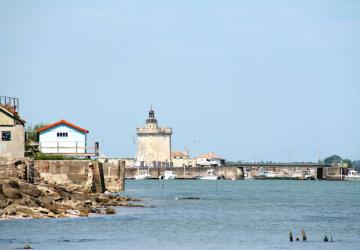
[231,173]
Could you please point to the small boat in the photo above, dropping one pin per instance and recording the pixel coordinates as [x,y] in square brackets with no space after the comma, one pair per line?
[266,173]
[168,175]
[209,176]
[352,176]
[142,175]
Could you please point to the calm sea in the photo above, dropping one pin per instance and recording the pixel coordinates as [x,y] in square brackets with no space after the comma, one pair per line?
[228,215]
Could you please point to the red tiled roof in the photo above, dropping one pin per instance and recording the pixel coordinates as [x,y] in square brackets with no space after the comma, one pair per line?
[179,154]
[62,122]
[210,155]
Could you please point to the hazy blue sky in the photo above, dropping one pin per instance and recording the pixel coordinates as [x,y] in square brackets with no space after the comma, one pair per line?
[246,79]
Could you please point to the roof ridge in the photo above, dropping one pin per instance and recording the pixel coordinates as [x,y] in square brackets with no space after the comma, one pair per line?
[63,121]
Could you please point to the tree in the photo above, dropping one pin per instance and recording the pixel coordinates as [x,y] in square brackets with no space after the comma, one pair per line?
[31,132]
[31,144]
[347,163]
[334,159]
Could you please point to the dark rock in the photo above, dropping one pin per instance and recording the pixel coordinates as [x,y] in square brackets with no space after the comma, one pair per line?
[188,198]
[3,203]
[30,190]
[13,184]
[26,202]
[110,210]
[12,193]
[45,201]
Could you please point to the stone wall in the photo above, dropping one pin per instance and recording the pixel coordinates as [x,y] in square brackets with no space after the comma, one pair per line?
[105,176]
[114,175]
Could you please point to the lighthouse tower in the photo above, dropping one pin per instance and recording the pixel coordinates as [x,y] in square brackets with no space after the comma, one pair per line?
[154,144]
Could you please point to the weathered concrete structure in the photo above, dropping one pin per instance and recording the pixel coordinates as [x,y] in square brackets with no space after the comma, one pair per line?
[12,130]
[154,144]
[94,175]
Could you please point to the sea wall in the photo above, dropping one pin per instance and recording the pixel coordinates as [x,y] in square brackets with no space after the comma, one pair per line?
[232,173]
[99,176]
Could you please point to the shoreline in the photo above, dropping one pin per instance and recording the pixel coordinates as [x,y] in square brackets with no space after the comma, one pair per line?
[22,200]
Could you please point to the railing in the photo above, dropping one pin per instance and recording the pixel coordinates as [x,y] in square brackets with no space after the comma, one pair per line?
[72,148]
[10,103]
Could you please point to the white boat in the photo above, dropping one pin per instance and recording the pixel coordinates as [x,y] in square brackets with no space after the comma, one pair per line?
[352,176]
[142,175]
[168,175]
[266,173]
[209,176]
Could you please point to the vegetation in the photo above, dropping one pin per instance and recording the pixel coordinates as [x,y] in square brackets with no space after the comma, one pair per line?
[31,132]
[333,160]
[42,156]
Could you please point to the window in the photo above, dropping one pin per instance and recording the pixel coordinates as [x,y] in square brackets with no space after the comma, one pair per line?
[62,134]
[6,135]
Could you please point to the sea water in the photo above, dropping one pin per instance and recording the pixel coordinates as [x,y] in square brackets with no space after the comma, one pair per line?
[254,214]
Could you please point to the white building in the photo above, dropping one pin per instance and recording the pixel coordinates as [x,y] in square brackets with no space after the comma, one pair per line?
[210,159]
[63,137]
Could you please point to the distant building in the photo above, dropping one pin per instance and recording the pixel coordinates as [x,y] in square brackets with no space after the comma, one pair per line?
[182,159]
[62,137]
[154,144]
[12,130]
[210,159]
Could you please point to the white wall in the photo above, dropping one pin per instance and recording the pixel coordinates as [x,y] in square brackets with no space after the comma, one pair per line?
[49,142]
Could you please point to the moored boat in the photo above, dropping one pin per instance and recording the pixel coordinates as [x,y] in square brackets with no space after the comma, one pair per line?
[352,176]
[168,175]
[142,175]
[209,176]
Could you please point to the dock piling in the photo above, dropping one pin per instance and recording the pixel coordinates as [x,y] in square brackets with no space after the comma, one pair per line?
[303,234]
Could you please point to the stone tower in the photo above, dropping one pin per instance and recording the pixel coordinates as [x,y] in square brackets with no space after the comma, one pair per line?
[154,144]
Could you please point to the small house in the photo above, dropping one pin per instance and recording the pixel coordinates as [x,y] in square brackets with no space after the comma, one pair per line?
[12,130]
[182,159]
[63,137]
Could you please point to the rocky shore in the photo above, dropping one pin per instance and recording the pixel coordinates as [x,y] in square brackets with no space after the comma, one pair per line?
[19,199]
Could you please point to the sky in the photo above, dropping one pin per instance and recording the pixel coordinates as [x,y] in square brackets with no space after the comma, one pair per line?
[250,80]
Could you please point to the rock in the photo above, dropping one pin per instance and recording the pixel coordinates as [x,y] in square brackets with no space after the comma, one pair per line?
[30,190]
[110,210]
[73,212]
[3,204]
[27,246]
[10,210]
[24,210]
[44,201]
[26,202]
[102,200]
[13,183]
[43,210]
[12,193]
